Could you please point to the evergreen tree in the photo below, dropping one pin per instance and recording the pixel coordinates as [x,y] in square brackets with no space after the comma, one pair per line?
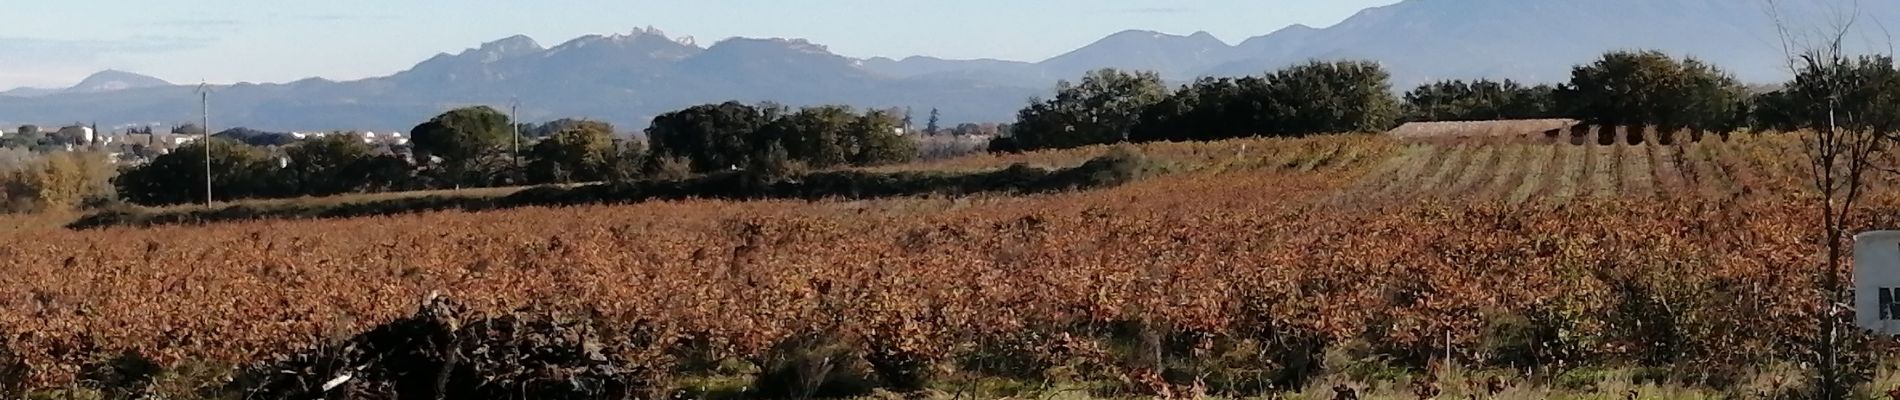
[931,126]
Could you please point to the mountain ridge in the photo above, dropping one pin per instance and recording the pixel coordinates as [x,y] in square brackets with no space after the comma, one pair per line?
[99,82]
[626,78]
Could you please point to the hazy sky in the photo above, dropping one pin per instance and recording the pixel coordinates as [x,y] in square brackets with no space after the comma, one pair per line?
[56,43]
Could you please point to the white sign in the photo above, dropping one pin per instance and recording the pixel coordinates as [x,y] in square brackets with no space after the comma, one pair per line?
[1877,281]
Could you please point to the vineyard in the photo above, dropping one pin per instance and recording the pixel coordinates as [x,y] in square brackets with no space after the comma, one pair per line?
[1250,268]
[1518,173]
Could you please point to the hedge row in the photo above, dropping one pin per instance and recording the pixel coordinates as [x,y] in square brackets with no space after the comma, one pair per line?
[1106,171]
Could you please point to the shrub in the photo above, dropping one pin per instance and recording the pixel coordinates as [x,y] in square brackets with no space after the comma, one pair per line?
[667,168]
[446,352]
[811,365]
[126,376]
[13,372]
[57,182]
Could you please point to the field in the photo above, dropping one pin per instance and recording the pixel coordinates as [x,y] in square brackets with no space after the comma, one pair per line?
[1248,268]
[1751,167]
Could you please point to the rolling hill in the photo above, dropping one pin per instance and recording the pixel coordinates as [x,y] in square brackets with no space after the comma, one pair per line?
[101,82]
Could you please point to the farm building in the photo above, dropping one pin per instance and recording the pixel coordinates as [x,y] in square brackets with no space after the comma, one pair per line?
[1518,128]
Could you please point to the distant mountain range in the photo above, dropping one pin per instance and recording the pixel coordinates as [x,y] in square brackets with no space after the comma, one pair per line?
[628,78]
[104,81]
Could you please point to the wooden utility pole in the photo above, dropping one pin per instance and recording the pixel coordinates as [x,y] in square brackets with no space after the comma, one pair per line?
[514,125]
[204,124]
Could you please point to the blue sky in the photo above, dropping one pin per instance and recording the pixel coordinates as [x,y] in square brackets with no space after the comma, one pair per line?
[56,43]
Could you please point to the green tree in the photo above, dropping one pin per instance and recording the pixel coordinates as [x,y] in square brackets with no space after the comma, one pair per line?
[1458,100]
[333,164]
[1206,109]
[629,156]
[966,129]
[1627,88]
[469,141]
[1863,92]
[582,152]
[816,136]
[666,168]
[1328,97]
[931,126]
[237,171]
[710,137]
[728,136]
[875,139]
[544,130]
[1773,110]
[1317,97]
[771,164]
[1103,108]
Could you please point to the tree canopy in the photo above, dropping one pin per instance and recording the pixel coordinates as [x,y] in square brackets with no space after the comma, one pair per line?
[729,135]
[1103,108]
[1857,93]
[1311,98]
[57,181]
[710,137]
[934,123]
[339,163]
[817,136]
[467,139]
[467,147]
[581,152]
[1207,108]
[1330,97]
[874,140]
[1484,99]
[237,171]
[1627,88]
[547,129]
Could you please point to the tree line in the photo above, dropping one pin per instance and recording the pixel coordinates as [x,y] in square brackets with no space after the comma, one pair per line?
[478,147]
[1621,88]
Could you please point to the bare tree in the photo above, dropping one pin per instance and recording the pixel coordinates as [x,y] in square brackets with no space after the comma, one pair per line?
[1844,105]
